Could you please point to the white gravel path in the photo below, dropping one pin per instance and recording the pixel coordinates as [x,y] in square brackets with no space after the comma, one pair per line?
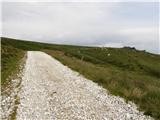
[52,91]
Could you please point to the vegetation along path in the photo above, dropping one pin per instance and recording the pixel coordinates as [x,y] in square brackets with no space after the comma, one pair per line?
[52,91]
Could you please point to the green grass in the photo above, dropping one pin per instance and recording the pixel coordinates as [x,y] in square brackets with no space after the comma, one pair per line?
[10,59]
[129,73]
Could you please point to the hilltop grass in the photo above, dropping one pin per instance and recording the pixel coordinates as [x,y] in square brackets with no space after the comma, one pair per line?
[127,72]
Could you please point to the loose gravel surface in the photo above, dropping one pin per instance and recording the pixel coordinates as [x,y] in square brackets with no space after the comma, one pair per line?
[52,91]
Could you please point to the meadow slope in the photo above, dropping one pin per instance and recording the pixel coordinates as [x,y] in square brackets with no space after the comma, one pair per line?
[127,72]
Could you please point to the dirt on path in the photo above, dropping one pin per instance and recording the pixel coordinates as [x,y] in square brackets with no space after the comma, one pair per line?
[52,91]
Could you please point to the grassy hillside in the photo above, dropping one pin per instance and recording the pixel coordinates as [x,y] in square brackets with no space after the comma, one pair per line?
[10,58]
[127,72]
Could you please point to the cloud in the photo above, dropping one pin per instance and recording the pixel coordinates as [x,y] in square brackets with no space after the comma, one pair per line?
[115,45]
[81,23]
[80,1]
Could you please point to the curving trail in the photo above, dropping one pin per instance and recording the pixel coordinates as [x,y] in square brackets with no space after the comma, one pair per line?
[52,91]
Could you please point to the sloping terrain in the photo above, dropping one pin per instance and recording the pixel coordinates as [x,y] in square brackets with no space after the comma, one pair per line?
[127,72]
[10,58]
[52,91]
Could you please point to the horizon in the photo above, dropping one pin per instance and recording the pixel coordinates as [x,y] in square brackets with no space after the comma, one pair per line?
[109,24]
[78,45]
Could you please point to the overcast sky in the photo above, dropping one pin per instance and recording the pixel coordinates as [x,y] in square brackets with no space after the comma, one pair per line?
[112,24]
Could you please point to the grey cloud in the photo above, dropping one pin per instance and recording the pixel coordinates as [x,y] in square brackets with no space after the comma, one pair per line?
[76,23]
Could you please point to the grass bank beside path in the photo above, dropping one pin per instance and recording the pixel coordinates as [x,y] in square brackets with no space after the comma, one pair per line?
[142,89]
[10,60]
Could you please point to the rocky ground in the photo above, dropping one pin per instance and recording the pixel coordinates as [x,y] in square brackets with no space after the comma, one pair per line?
[52,91]
[9,95]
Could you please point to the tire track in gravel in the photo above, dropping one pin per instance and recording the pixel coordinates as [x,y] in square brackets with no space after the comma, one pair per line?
[52,91]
